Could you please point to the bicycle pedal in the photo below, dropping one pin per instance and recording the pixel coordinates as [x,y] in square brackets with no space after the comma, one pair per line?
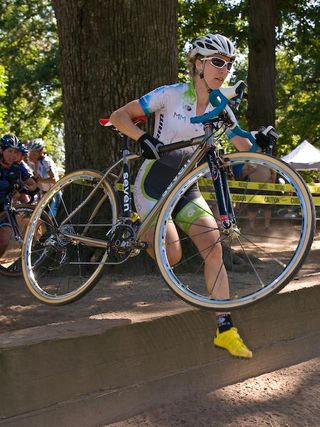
[134,252]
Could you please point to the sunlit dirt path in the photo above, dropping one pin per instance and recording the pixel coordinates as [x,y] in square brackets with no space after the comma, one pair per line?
[286,398]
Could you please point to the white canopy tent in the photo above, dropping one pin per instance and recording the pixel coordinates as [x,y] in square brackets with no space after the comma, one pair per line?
[304,157]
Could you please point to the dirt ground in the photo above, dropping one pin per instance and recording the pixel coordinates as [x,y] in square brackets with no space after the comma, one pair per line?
[115,296]
[136,298]
[284,398]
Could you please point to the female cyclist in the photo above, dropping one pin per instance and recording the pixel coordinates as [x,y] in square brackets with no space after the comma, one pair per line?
[210,61]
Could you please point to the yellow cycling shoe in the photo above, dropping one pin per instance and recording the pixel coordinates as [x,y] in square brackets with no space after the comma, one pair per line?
[231,341]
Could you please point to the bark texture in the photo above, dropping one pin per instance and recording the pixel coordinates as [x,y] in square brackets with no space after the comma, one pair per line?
[111,51]
[262,72]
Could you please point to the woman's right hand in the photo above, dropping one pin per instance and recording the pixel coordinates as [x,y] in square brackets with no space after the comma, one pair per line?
[150,146]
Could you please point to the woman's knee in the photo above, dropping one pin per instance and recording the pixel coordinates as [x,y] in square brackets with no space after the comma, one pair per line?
[173,247]
[208,243]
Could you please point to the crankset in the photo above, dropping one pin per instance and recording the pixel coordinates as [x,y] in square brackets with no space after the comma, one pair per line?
[122,244]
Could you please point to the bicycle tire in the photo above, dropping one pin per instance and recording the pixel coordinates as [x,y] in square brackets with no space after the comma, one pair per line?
[14,269]
[70,270]
[266,261]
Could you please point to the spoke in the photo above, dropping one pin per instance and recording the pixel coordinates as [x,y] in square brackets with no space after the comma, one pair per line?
[184,261]
[250,262]
[261,249]
[215,280]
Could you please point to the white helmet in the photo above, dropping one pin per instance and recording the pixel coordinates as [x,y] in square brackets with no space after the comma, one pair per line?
[36,144]
[212,43]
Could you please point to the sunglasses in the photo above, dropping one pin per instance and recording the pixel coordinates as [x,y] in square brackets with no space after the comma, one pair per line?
[218,62]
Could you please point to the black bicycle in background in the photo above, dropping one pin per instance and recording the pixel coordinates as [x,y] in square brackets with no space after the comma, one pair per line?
[17,216]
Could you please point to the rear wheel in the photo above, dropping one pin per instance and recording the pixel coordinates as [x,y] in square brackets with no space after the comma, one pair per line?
[259,261]
[86,206]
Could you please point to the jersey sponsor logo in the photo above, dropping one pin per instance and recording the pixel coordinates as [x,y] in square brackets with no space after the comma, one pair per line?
[191,211]
[179,116]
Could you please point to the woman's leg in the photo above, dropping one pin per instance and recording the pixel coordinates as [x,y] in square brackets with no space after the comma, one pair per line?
[5,235]
[267,217]
[206,236]
[252,215]
[174,251]
[23,221]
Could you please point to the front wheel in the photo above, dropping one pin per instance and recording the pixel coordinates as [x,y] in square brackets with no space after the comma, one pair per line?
[82,207]
[257,259]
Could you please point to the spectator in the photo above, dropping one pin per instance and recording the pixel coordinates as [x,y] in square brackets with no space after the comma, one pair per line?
[264,175]
[44,169]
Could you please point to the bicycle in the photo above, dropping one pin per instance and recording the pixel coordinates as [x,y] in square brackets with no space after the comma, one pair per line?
[94,225]
[15,215]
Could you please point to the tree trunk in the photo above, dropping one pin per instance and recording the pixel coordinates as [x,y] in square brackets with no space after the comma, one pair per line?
[111,51]
[262,73]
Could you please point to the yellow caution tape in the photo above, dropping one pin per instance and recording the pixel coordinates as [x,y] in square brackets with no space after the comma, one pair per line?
[256,198]
[260,199]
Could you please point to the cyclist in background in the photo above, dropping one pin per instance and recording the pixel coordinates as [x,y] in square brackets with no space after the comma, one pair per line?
[44,169]
[13,173]
[210,60]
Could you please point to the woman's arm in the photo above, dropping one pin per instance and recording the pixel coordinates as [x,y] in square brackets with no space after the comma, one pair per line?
[241,144]
[50,180]
[122,119]
[31,184]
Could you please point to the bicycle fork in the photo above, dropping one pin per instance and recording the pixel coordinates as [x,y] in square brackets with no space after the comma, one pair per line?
[219,179]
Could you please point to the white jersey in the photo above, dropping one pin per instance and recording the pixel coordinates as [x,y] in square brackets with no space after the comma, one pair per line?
[44,165]
[174,106]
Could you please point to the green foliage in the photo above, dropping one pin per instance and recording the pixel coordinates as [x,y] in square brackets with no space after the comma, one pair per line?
[298,58]
[30,92]
[298,66]
[206,16]
[32,105]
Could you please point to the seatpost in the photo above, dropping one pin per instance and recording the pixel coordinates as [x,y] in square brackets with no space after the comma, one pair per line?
[127,199]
